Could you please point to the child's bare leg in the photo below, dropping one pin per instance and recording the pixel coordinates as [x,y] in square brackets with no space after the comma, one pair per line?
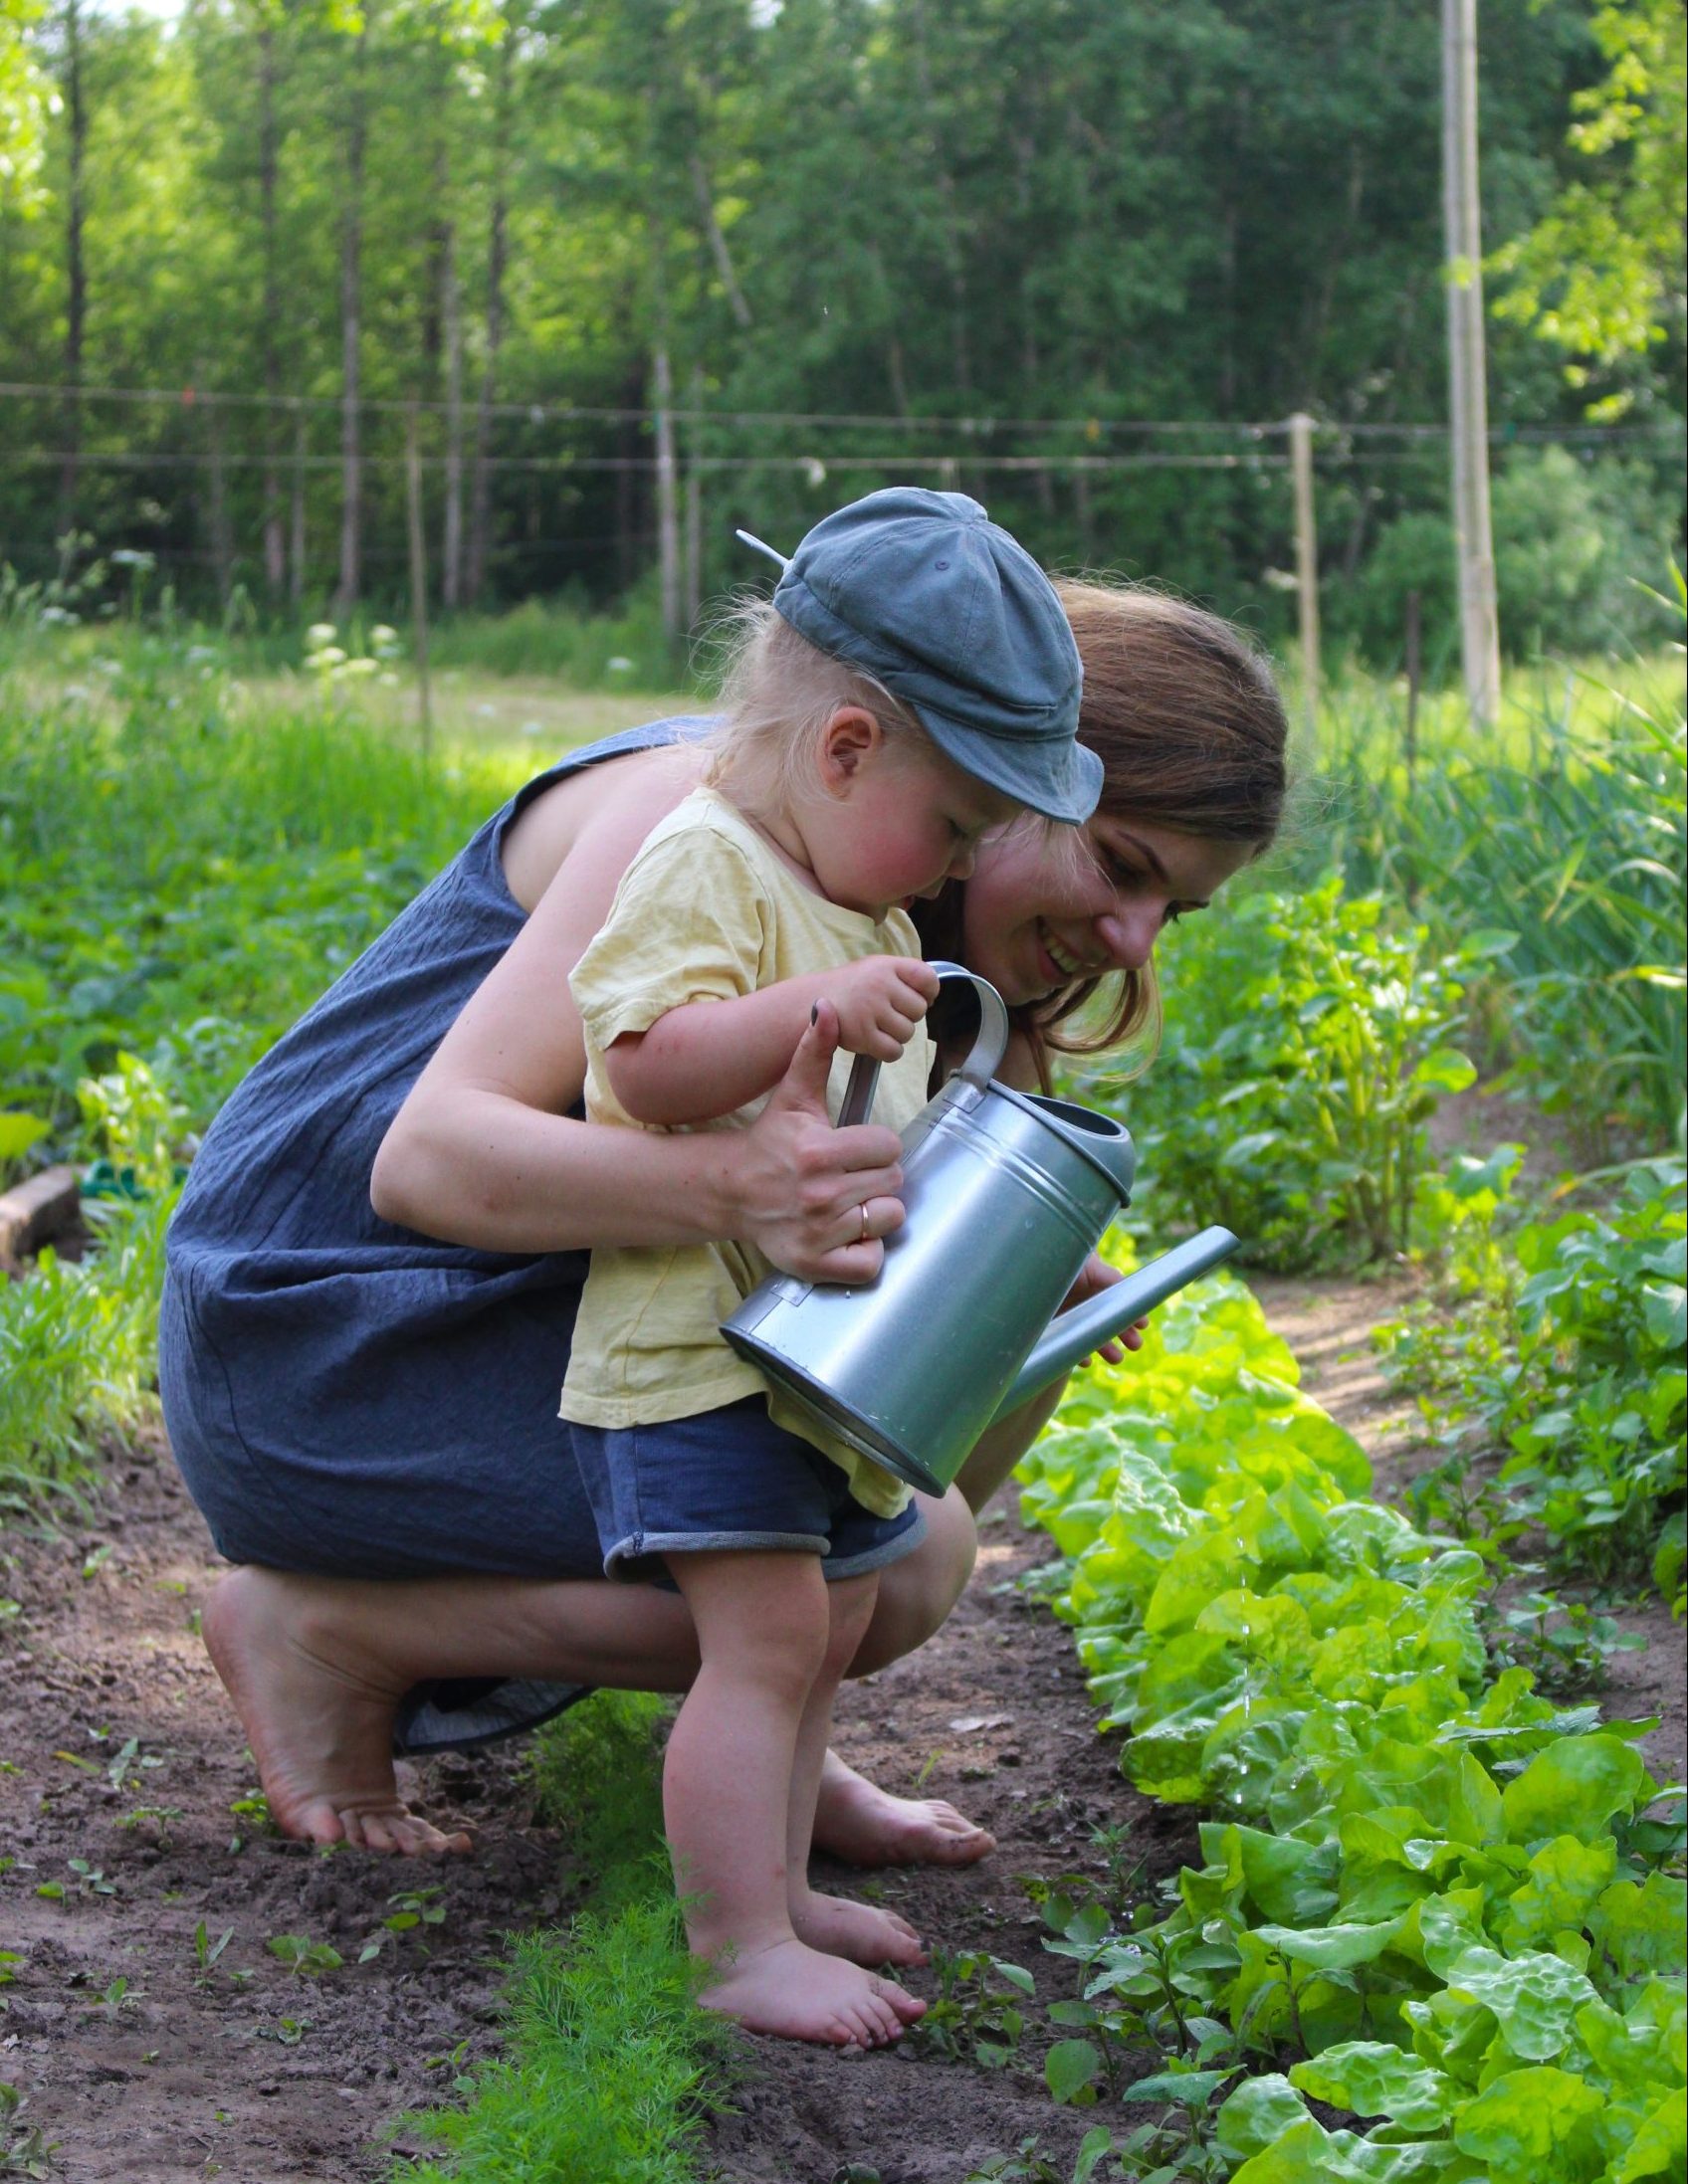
[860,1931]
[763,1622]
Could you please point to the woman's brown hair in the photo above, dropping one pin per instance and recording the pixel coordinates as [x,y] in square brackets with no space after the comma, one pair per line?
[1182,711]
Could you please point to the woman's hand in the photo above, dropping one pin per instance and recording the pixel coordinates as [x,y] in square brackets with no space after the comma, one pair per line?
[1094,1276]
[817,1200]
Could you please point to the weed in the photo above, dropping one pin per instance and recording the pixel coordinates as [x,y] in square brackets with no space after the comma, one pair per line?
[1030,2164]
[118,1769]
[976,2017]
[160,1818]
[1565,1644]
[206,1951]
[416,1907]
[254,1810]
[288,2031]
[304,1958]
[89,1881]
[117,1998]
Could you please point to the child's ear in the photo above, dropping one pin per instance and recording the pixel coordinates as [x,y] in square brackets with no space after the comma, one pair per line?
[847,742]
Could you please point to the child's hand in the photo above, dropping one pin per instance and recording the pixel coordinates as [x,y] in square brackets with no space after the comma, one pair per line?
[880,1000]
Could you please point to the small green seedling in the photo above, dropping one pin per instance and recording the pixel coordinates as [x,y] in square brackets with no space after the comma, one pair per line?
[160,1818]
[206,1951]
[97,1561]
[1031,2165]
[89,1880]
[415,1908]
[117,1997]
[304,1958]
[976,2017]
[290,2030]
[121,1770]
[254,1810]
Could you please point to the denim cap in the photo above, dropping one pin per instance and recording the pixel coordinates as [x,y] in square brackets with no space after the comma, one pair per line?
[922,591]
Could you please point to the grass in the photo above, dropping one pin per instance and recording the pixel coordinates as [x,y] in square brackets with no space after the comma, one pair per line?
[1563,826]
[611,2067]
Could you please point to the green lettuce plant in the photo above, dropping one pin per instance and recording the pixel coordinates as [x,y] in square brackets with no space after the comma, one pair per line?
[1457,1906]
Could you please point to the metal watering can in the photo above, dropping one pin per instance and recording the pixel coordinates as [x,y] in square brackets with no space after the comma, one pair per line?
[1006,1193]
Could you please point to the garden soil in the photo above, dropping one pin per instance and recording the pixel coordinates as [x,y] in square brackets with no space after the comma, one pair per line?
[121,1770]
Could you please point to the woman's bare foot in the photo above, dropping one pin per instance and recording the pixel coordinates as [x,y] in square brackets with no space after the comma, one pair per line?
[794,1992]
[863,1825]
[320,1729]
[860,1932]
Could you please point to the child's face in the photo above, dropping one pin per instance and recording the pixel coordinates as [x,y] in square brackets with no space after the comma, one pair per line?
[1051,904]
[897,821]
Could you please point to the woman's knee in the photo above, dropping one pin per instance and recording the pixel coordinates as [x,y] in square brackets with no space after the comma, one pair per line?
[916,1594]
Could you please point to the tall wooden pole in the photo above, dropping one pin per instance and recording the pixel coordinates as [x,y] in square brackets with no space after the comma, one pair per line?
[1305,562]
[1468,408]
[418,578]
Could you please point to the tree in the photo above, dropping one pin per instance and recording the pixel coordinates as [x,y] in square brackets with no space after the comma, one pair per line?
[24,96]
[1601,275]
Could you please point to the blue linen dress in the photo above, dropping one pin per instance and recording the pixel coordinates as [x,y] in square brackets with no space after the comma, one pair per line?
[346,1396]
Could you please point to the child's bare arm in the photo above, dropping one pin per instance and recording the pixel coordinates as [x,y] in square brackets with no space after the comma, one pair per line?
[710,1057]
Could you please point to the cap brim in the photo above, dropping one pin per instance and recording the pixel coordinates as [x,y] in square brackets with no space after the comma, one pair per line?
[1059,778]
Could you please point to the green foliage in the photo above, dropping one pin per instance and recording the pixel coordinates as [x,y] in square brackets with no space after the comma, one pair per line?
[185,874]
[1566,1360]
[596,1776]
[1029,238]
[608,2066]
[1440,1891]
[76,1347]
[1307,1043]
[1569,541]
[1577,841]
[1602,275]
[978,2015]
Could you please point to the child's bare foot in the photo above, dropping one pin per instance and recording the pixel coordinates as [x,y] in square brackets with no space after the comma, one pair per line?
[863,1825]
[321,1732]
[860,1931]
[794,1992]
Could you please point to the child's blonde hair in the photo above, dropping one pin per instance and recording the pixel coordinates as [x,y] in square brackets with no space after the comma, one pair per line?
[778,693]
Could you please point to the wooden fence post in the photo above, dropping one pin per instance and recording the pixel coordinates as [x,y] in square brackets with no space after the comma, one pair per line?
[1305,562]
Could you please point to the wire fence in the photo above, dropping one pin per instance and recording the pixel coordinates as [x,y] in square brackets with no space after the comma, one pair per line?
[290,501]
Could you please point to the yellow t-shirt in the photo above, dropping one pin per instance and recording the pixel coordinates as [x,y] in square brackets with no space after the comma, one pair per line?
[707,911]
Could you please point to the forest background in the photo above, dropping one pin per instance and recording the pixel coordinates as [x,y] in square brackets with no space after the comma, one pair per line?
[1080,259]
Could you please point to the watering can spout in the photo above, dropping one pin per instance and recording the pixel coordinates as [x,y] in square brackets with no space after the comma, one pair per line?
[1074,1334]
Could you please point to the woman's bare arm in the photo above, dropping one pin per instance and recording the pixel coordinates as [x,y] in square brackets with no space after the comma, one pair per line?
[483,1152]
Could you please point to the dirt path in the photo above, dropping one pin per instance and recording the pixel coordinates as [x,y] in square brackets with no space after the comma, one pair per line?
[248,2071]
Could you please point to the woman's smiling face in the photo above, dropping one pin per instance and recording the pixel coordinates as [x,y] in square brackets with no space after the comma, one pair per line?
[1049,905]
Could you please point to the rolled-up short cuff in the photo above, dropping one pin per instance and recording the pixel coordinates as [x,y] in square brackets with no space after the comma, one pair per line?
[629,1558]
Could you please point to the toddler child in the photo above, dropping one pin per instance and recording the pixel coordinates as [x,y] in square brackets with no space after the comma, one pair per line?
[913,684]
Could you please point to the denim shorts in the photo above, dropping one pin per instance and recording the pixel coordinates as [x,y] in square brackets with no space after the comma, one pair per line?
[728,1479]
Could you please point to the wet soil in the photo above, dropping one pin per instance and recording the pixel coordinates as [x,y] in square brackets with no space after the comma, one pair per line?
[142,2064]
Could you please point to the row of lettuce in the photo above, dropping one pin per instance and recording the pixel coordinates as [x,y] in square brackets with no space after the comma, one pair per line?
[1457,1904]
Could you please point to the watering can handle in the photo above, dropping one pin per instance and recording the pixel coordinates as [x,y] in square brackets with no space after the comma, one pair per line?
[982,1062]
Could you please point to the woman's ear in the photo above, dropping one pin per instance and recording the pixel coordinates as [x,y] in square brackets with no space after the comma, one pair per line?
[848,743]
